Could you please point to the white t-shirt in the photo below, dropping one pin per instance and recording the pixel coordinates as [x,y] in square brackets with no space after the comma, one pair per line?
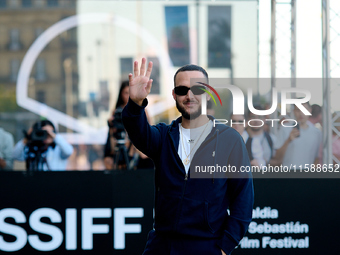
[191,139]
[303,149]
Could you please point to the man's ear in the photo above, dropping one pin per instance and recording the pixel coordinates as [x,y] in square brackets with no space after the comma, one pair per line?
[173,94]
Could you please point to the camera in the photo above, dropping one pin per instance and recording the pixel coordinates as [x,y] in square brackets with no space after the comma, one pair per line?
[38,135]
[117,123]
[37,146]
[35,149]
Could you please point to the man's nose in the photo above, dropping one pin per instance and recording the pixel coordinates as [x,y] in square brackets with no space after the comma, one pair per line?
[190,94]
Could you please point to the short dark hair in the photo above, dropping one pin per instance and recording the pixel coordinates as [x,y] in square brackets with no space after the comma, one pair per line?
[307,103]
[190,67]
[38,125]
[316,110]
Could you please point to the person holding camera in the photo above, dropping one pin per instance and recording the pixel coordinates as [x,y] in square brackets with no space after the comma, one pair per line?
[299,145]
[119,151]
[109,150]
[6,147]
[43,149]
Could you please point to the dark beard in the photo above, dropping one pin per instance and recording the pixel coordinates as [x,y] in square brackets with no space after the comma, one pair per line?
[186,115]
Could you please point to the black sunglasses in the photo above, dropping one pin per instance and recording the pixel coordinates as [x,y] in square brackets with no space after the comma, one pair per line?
[183,90]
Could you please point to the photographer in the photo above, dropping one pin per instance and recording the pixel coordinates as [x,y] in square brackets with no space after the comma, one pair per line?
[118,142]
[43,149]
[6,147]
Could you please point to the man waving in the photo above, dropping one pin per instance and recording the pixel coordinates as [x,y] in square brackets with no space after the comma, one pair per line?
[206,214]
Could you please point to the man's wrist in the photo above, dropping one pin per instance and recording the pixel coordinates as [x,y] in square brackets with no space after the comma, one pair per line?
[138,101]
[135,108]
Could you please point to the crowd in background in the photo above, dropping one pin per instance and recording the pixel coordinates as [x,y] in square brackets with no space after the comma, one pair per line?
[289,145]
[43,149]
[294,144]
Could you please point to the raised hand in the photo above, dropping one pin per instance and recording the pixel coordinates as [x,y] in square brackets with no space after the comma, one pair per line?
[140,82]
[49,131]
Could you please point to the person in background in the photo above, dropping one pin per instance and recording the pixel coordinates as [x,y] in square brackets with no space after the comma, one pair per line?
[6,147]
[335,140]
[52,149]
[254,147]
[299,145]
[210,109]
[316,118]
[238,122]
[260,138]
[109,149]
[139,159]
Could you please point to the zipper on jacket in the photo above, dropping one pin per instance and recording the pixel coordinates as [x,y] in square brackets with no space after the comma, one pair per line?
[181,202]
[186,177]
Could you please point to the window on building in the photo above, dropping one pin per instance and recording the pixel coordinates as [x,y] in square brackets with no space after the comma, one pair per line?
[72,34]
[126,66]
[176,19]
[71,4]
[15,65]
[52,3]
[14,39]
[155,75]
[26,3]
[13,3]
[41,96]
[38,31]
[3,4]
[40,71]
[39,3]
[219,36]
[69,37]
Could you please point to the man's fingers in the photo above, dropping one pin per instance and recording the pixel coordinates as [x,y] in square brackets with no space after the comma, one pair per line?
[135,69]
[130,77]
[148,86]
[148,72]
[142,67]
